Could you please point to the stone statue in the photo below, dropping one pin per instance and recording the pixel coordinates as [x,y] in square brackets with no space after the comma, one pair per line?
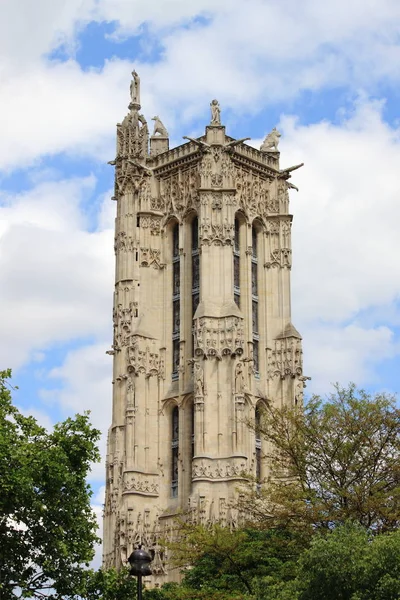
[135,88]
[215,113]
[271,142]
[240,385]
[159,127]
[198,380]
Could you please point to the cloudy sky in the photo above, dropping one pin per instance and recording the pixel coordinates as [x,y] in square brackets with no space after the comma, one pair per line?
[326,74]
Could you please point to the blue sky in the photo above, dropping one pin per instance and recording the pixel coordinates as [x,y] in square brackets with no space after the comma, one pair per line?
[326,75]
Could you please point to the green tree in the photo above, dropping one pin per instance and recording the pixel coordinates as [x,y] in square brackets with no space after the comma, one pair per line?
[334,461]
[109,584]
[47,527]
[217,559]
[350,564]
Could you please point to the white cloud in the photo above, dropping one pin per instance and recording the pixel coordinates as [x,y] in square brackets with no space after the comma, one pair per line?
[55,276]
[344,354]
[345,242]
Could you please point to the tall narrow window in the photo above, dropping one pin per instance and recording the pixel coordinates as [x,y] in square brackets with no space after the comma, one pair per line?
[257,431]
[175,452]
[195,265]
[176,301]
[254,301]
[236,264]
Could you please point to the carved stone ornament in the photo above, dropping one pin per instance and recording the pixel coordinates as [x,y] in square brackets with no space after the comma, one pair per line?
[141,483]
[285,359]
[253,194]
[122,320]
[214,233]
[132,136]
[216,337]
[151,222]
[143,357]
[179,193]
[151,257]
[281,257]
[228,468]
[123,243]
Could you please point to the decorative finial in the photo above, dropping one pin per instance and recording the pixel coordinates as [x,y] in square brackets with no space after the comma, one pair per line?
[215,113]
[135,90]
[271,142]
[159,127]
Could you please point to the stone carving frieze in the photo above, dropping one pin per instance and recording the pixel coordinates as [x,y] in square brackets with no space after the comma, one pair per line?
[218,510]
[138,529]
[255,194]
[179,193]
[143,357]
[280,257]
[151,222]
[216,337]
[278,233]
[285,359]
[216,233]
[141,483]
[216,169]
[122,321]
[228,468]
[123,243]
[151,257]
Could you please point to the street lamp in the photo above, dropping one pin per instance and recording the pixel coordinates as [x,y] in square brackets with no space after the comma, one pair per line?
[140,567]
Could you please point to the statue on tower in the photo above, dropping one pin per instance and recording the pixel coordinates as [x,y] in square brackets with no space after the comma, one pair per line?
[135,88]
[215,112]
[159,127]
[271,142]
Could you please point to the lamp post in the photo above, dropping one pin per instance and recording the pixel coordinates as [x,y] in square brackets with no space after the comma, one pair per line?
[140,561]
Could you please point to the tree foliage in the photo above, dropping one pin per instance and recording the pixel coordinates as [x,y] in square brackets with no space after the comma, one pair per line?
[334,461]
[47,527]
[216,558]
[350,564]
[109,584]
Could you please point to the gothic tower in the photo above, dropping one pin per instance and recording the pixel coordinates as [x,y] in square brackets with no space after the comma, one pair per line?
[202,326]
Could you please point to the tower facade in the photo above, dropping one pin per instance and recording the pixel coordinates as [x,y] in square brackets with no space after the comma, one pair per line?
[202,326]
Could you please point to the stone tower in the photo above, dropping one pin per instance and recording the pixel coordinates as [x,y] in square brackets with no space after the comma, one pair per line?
[202,326]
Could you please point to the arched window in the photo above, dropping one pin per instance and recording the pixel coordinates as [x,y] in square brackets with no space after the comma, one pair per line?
[175,452]
[236,264]
[254,301]
[176,301]
[257,431]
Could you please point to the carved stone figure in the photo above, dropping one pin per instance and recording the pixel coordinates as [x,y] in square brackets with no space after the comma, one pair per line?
[240,384]
[271,142]
[198,380]
[215,112]
[135,88]
[159,127]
